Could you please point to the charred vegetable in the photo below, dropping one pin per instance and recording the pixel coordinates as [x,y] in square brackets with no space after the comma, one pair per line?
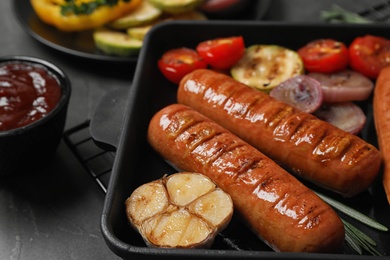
[116,42]
[144,14]
[301,91]
[71,15]
[263,67]
[345,115]
[346,85]
[176,6]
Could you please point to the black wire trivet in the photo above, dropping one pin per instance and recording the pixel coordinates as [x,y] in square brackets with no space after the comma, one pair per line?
[378,13]
[96,161]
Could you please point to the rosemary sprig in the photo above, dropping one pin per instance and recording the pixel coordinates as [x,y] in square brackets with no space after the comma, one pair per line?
[352,242]
[71,7]
[353,236]
[353,213]
[339,15]
[358,240]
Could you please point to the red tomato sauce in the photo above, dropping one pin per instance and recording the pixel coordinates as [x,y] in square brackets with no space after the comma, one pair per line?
[28,92]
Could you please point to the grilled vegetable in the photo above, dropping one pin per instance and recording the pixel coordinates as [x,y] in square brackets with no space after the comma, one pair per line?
[183,210]
[345,115]
[222,53]
[263,67]
[69,16]
[369,54]
[144,14]
[347,85]
[176,6]
[301,91]
[324,55]
[116,43]
[139,32]
[176,63]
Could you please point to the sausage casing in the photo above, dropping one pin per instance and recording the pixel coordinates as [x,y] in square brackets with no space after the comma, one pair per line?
[309,147]
[287,215]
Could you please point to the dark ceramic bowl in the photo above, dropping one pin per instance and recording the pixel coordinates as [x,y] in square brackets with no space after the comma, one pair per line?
[24,149]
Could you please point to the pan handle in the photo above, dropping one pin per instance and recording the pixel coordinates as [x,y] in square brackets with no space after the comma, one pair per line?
[107,120]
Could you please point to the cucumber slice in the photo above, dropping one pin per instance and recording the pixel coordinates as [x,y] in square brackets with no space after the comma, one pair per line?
[263,67]
[145,13]
[116,43]
[176,6]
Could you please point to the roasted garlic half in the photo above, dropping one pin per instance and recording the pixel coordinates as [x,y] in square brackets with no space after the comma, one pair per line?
[182,210]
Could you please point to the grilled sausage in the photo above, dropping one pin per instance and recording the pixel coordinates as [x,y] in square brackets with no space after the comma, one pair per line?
[309,147]
[283,212]
[381,105]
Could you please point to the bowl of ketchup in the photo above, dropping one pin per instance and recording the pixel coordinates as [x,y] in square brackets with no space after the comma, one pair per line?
[34,97]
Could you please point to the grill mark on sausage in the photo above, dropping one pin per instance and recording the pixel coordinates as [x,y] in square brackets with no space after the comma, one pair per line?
[210,144]
[275,114]
[308,132]
[361,152]
[225,96]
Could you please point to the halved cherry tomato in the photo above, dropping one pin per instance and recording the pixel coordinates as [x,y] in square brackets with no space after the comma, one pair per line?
[324,55]
[369,54]
[222,53]
[176,63]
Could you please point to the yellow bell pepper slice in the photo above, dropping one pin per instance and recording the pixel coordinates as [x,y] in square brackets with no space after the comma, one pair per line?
[49,11]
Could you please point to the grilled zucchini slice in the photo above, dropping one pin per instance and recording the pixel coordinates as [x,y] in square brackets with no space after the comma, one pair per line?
[176,6]
[139,32]
[116,43]
[263,67]
[144,14]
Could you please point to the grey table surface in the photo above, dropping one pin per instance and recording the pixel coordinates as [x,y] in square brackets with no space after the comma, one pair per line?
[55,213]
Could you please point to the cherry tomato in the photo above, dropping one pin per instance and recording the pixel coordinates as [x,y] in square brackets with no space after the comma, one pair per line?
[222,53]
[176,63]
[369,54]
[324,55]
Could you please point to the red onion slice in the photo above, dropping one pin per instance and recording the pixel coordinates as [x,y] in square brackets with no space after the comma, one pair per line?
[345,115]
[301,91]
[343,86]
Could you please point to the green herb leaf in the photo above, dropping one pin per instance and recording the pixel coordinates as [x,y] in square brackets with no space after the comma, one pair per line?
[71,7]
[339,15]
[353,213]
[358,240]
[353,236]
[351,241]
